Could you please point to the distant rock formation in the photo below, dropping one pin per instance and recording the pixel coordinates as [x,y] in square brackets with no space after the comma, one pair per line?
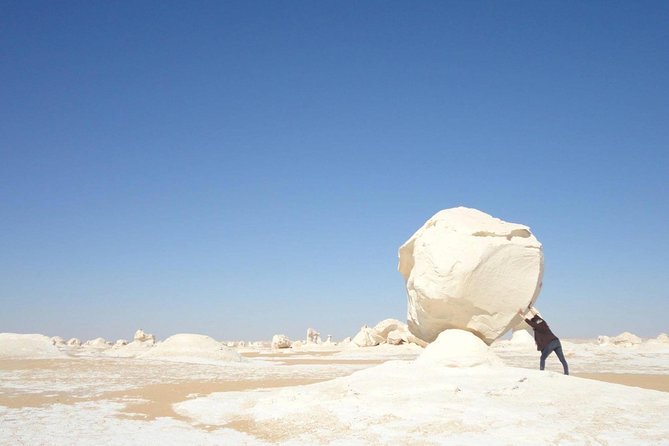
[280,341]
[313,337]
[191,348]
[465,269]
[367,337]
[141,336]
[74,342]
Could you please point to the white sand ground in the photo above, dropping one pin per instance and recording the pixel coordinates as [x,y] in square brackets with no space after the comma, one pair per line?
[370,396]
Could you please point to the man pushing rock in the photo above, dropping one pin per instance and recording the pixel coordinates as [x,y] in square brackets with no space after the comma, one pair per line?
[546,341]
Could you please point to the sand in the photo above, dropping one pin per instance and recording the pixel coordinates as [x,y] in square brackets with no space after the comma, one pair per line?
[347,396]
[654,382]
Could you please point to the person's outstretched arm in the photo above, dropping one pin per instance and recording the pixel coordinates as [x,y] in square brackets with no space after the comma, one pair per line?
[532,311]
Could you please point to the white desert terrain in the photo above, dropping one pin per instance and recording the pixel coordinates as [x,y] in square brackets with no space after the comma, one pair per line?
[457,391]
[446,377]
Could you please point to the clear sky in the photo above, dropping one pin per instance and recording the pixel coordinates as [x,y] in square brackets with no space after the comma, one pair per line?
[242,169]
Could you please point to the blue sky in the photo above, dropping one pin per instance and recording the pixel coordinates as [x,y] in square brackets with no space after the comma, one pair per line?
[242,169]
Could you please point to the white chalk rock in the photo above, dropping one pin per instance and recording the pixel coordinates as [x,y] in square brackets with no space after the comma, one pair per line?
[57,340]
[297,345]
[142,336]
[74,342]
[662,338]
[280,341]
[387,325]
[625,339]
[397,337]
[367,337]
[120,343]
[13,345]
[313,337]
[458,348]
[465,269]
[191,348]
[603,340]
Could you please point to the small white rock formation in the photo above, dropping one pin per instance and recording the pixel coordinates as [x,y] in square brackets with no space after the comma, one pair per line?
[297,344]
[74,342]
[625,339]
[313,337]
[458,348]
[14,345]
[603,340]
[191,348]
[465,269]
[57,340]
[387,325]
[280,341]
[367,337]
[662,338]
[97,343]
[120,343]
[141,336]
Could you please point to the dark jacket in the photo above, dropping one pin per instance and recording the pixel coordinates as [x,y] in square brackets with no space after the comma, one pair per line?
[542,332]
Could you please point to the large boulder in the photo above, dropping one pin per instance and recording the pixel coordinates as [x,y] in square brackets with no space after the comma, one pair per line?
[465,269]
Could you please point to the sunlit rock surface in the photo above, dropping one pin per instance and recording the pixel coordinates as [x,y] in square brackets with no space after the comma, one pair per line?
[465,269]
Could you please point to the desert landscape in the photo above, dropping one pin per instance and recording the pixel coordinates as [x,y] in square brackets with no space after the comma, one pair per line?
[448,375]
[350,223]
[456,391]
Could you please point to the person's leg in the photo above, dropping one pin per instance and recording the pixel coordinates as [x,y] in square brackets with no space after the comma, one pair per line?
[560,355]
[544,354]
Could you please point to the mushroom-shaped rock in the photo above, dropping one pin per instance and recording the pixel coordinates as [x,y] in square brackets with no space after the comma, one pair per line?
[280,341]
[467,270]
[367,337]
[191,348]
[313,337]
[458,348]
[142,336]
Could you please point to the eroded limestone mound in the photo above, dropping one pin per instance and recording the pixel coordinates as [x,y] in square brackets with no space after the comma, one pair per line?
[465,269]
[458,348]
[191,348]
[14,345]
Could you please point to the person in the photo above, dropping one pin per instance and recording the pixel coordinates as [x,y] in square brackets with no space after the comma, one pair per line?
[546,341]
